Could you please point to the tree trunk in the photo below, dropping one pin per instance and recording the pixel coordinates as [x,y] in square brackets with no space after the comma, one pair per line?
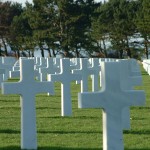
[105,51]
[77,52]
[42,51]
[29,53]
[66,51]
[49,52]
[121,54]
[32,53]
[128,52]
[128,48]
[100,50]
[146,47]
[0,51]
[146,50]
[54,54]
[18,54]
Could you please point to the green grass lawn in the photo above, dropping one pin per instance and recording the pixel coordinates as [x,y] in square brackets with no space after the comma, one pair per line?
[81,131]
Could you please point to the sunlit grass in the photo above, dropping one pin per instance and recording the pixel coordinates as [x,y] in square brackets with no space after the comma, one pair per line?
[81,131]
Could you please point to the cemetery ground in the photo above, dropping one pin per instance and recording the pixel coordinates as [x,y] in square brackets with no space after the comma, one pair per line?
[81,131]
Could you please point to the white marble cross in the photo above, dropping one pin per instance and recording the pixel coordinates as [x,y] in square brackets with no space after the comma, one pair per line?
[41,64]
[112,99]
[2,71]
[96,74]
[134,66]
[146,64]
[128,81]
[50,69]
[85,71]
[14,74]
[16,66]
[9,60]
[7,68]
[75,64]
[148,69]
[27,88]
[65,77]
[44,70]
[57,62]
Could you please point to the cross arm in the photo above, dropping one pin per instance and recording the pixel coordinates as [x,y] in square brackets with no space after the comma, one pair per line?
[77,71]
[136,80]
[44,87]
[91,100]
[11,88]
[135,97]
[2,71]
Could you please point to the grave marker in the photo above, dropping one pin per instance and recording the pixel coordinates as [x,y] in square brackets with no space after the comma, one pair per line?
[42,63]
[95,77]
[6,67]
[128,81]
[65,77]
[75,65]
[112,99]
[85,71]
[16,66]
[27,88]
[2,71]
[50,69]
[133,65]
[9,60]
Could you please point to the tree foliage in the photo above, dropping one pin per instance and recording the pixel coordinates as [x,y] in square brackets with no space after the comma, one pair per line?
[73,26]
[8,11]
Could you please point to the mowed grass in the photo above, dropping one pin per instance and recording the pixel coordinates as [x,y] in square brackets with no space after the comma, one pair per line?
[81,131]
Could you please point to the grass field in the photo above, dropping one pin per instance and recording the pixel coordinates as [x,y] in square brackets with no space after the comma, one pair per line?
[81,131]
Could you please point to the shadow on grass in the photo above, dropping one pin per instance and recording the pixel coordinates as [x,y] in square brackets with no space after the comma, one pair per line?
[50,148]
[144,107]
[9,131]
[10,148]
[144,73]
[8,101]
[69,117]
[137,149]
[42,108]
[137,132]
[69,132]
[63,148]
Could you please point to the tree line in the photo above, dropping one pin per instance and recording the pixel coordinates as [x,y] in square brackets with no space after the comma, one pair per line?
[75,28]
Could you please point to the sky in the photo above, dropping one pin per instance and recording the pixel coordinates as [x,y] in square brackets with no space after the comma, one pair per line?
[30,1]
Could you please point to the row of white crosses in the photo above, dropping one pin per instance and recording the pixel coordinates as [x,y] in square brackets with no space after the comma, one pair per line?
[6,64]
[130,77]
[66,76]
[41,67]
[146,65]
[115,97]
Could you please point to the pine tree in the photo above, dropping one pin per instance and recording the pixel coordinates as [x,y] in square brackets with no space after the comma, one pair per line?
[143,23]
[7,12]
